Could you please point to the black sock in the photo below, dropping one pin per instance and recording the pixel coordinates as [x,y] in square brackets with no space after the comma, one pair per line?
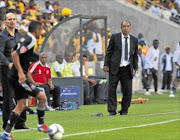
[13,119]
[41,113]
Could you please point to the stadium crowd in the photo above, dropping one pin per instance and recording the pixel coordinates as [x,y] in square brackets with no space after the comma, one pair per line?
[169,9]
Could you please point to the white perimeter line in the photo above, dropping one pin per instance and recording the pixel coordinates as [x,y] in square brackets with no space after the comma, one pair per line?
[22,130]
[113,129]
[154,114]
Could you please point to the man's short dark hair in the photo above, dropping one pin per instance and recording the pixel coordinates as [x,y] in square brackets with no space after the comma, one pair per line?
[125,21]
[84,55]
[34,25]
[74,54]
[59,56]
[155,40]
[56,3]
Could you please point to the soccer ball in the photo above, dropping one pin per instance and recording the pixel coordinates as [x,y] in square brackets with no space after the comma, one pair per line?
[57,132]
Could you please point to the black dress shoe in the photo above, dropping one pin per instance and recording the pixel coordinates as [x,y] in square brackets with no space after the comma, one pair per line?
[122,112]
[20,127]
[112,113]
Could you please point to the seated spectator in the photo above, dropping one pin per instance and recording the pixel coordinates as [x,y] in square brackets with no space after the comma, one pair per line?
[67,62]
[2,13]
[168,4]
[57,68]
[2,4]
[88,84]
[174,15]
[178,2]
[75,65]
[48,6]
[31,9]
[155,9]
[40,74]
[20,6]
[57,11]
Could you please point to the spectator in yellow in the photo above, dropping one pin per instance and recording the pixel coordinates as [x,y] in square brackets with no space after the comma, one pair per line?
[57,68]
[56,12]
[142,44]
[68,64]
[39,42]
[75,65]
[31,8]
[20,5]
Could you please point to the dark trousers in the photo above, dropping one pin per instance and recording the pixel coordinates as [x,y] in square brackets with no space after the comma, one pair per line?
[8,101]
[88,90]
[150,76]
[55,92]
[167,78]
[124,76]
[144,79]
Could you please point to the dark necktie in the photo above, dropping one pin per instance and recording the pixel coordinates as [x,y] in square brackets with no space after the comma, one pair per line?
[126,48]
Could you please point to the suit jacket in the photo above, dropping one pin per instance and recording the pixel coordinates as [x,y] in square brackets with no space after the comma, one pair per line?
[114,52]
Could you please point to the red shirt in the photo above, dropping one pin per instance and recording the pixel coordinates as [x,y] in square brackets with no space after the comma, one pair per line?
[40,73]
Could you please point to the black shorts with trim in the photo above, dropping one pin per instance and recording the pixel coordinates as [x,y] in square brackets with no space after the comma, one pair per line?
[21,92]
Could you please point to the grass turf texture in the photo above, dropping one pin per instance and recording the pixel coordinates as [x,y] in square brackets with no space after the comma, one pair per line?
[160,108]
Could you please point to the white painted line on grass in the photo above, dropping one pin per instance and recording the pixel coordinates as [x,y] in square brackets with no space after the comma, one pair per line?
[22,130]
[154,114]
[114,129]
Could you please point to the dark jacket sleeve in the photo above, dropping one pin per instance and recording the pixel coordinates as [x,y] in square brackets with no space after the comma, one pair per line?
[109,51]
[3,58]
[135,55]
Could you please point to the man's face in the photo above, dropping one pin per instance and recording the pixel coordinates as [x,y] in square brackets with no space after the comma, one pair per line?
[60,60]
[11,21]
[168,50]
[68,57]
[126,28]
[43,59]
[56,7]
[84,60]
[38,32]
[76,57]
[156,44]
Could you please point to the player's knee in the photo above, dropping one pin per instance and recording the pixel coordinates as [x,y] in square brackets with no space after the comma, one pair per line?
[42,97]
[21,104]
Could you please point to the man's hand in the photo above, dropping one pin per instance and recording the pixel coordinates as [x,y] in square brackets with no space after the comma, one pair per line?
[136,71]
[93,82]
[51,86]
[22,77]
[106,68]
[10,66]
[38,84]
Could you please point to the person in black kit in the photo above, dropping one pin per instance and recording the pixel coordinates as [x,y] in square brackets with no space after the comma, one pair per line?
[23,56]
[120,60]
[9,38]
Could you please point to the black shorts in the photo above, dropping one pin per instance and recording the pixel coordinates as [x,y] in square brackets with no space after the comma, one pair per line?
[21,92]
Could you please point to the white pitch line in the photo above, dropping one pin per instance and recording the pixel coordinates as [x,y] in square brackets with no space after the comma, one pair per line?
[114,129]
[154,114]
[22,130]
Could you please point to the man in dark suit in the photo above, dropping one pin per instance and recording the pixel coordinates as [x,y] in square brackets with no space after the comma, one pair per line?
[120,60]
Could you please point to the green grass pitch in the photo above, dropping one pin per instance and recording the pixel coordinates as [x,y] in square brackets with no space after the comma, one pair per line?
[157,119]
